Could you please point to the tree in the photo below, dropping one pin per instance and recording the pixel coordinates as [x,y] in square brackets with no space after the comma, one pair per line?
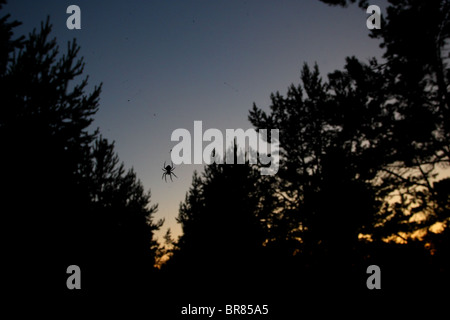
[379,127]
[119,239]
[331,141]
[223,229]
[360,151]
[8,44]
[417,74]
[65,198]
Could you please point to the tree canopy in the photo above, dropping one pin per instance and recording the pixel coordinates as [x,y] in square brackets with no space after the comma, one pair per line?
[362,178]
[66,198]
[362,158]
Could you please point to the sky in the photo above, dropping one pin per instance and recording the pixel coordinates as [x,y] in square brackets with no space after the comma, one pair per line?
[166,64]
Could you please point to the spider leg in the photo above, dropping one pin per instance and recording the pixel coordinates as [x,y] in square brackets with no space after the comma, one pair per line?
[163,169]
[165,177]
[162,176]
[170,177]
[175,175]
[171,162]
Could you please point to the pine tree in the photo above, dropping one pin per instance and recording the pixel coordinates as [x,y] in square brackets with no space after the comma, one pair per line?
[223,230]
[65,198]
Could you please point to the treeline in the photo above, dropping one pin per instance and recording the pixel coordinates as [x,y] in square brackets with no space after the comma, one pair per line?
[362,176]
[66,198]
[358,181]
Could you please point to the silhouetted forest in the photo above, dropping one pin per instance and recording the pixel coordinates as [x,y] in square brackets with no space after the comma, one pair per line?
[66,199]
[358,184]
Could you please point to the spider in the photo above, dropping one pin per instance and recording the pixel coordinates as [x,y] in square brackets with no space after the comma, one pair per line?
[168,171]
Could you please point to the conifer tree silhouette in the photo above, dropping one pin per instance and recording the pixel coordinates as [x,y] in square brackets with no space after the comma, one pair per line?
[223,233]
[65,198]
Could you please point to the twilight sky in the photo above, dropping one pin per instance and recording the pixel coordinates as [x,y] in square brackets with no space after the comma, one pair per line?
[164,64]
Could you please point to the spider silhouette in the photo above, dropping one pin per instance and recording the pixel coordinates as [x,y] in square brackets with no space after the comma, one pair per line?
[168,171]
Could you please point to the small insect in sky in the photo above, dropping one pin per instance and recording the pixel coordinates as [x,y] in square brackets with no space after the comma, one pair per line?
[168,171]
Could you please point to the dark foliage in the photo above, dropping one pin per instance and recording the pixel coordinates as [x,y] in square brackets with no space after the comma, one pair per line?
[358,181]
[223,233]
[65,197]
